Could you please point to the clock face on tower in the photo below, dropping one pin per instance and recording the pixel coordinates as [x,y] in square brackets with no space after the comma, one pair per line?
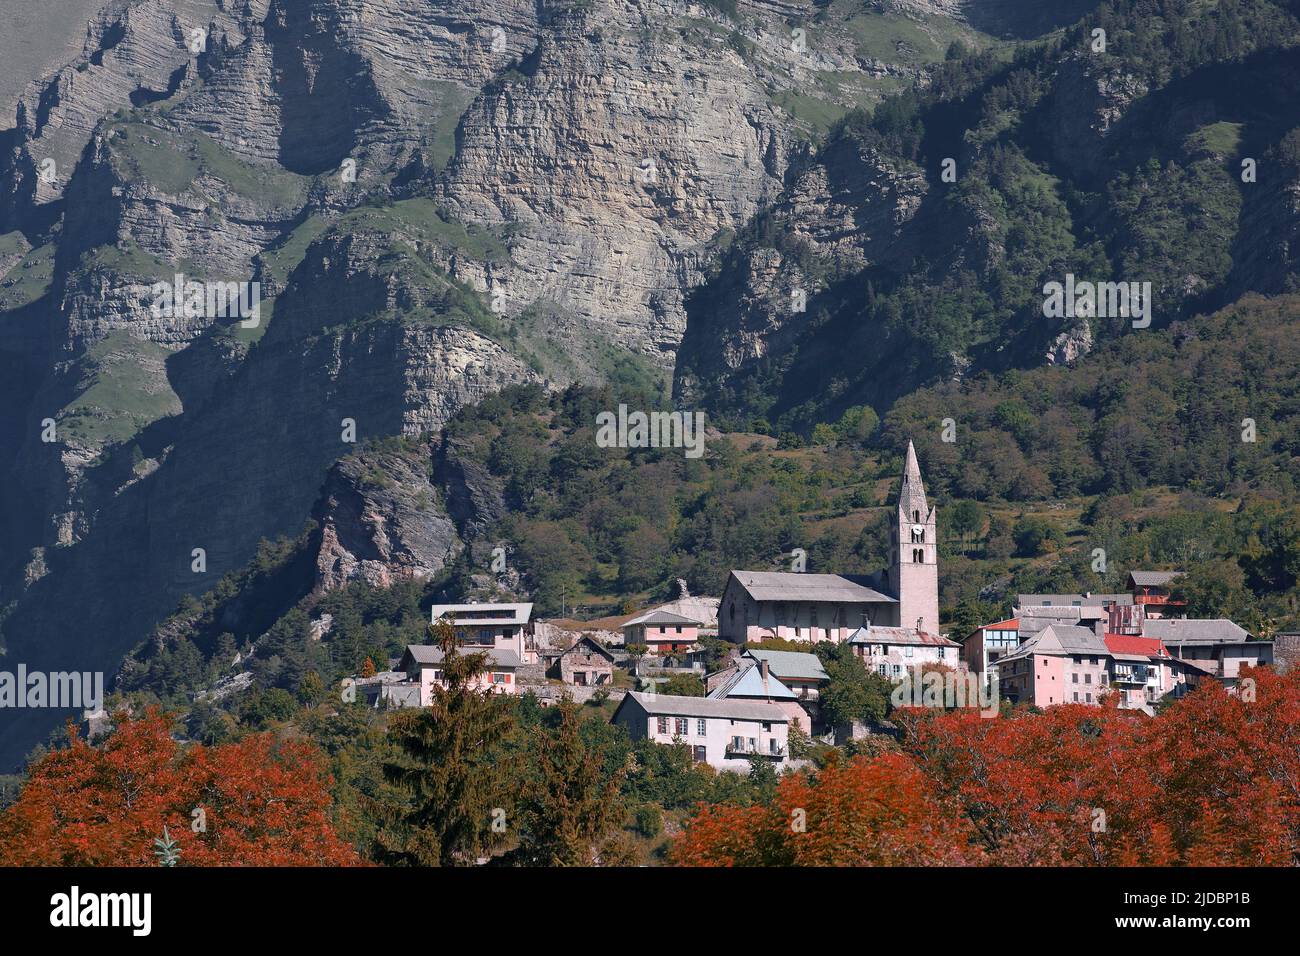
[918,529]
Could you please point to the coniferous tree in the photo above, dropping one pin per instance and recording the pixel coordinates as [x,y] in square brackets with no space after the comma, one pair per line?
[452,765]
[571,804]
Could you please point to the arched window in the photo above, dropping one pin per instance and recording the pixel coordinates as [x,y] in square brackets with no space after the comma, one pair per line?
[916,517]
[918,556]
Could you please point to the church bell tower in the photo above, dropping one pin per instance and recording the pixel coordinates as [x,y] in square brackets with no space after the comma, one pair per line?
[915,570]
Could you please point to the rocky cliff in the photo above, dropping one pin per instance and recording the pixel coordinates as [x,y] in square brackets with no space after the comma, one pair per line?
[435,198]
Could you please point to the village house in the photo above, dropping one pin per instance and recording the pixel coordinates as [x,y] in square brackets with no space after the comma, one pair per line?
[1215,648]
[985,645]
[797,606]
[1142,670]
[662,632]
[1060,664]
[1087,599]
[505,627]
[1151,590]
[422,664]
[802,673]
[583,664]
[893,651]
[726,734]
[753,680]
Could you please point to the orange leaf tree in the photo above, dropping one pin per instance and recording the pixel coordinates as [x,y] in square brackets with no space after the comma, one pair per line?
[879,811]
[255,802]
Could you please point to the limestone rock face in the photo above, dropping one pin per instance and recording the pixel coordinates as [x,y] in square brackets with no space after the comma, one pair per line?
[614,162]
[846,211]
[380,521]
[436,199]
[134,52]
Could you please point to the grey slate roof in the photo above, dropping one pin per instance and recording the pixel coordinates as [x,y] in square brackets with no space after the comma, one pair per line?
[792,664]
[876,634]
[583,643]
[793,586]
[429,654]
[660,616]
[1146,579]
[730,708]
[747,681]
[1214,631]
[1060,640]
[1068,600]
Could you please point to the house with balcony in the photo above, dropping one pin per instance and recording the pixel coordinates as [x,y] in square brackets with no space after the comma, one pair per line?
[504,627]
[725,733]
[893,651]
[1151,590]
[1142,670]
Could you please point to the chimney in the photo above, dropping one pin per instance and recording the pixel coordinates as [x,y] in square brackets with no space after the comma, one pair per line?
[1099,627]
[762,669]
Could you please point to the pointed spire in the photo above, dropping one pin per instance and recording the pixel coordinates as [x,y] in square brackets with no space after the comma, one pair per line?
[911,493]
[912,470]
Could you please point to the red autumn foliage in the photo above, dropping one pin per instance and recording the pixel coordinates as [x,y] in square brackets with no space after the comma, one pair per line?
[264,803]
[1212,780]
[879,811]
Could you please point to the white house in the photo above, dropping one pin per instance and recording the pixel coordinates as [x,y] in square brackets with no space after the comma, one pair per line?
[505,627]
[725,733]
[1215,647]
[893,651]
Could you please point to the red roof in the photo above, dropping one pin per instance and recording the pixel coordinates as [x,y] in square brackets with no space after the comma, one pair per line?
[1132,644]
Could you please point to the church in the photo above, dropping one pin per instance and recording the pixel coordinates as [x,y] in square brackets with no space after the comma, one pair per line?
[904,597]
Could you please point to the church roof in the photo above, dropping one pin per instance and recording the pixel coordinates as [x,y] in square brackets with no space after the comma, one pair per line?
[795,586]
[911,493]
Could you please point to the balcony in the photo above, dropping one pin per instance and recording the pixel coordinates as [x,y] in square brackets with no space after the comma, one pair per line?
[1137,677]
[757,750]
[1157,599]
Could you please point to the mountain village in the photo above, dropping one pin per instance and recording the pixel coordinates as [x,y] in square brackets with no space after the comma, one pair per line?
[1137,646]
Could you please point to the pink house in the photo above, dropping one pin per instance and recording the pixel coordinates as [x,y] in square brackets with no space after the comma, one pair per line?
[423,663]
[1067,664]
[662,631]
[1061,664]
